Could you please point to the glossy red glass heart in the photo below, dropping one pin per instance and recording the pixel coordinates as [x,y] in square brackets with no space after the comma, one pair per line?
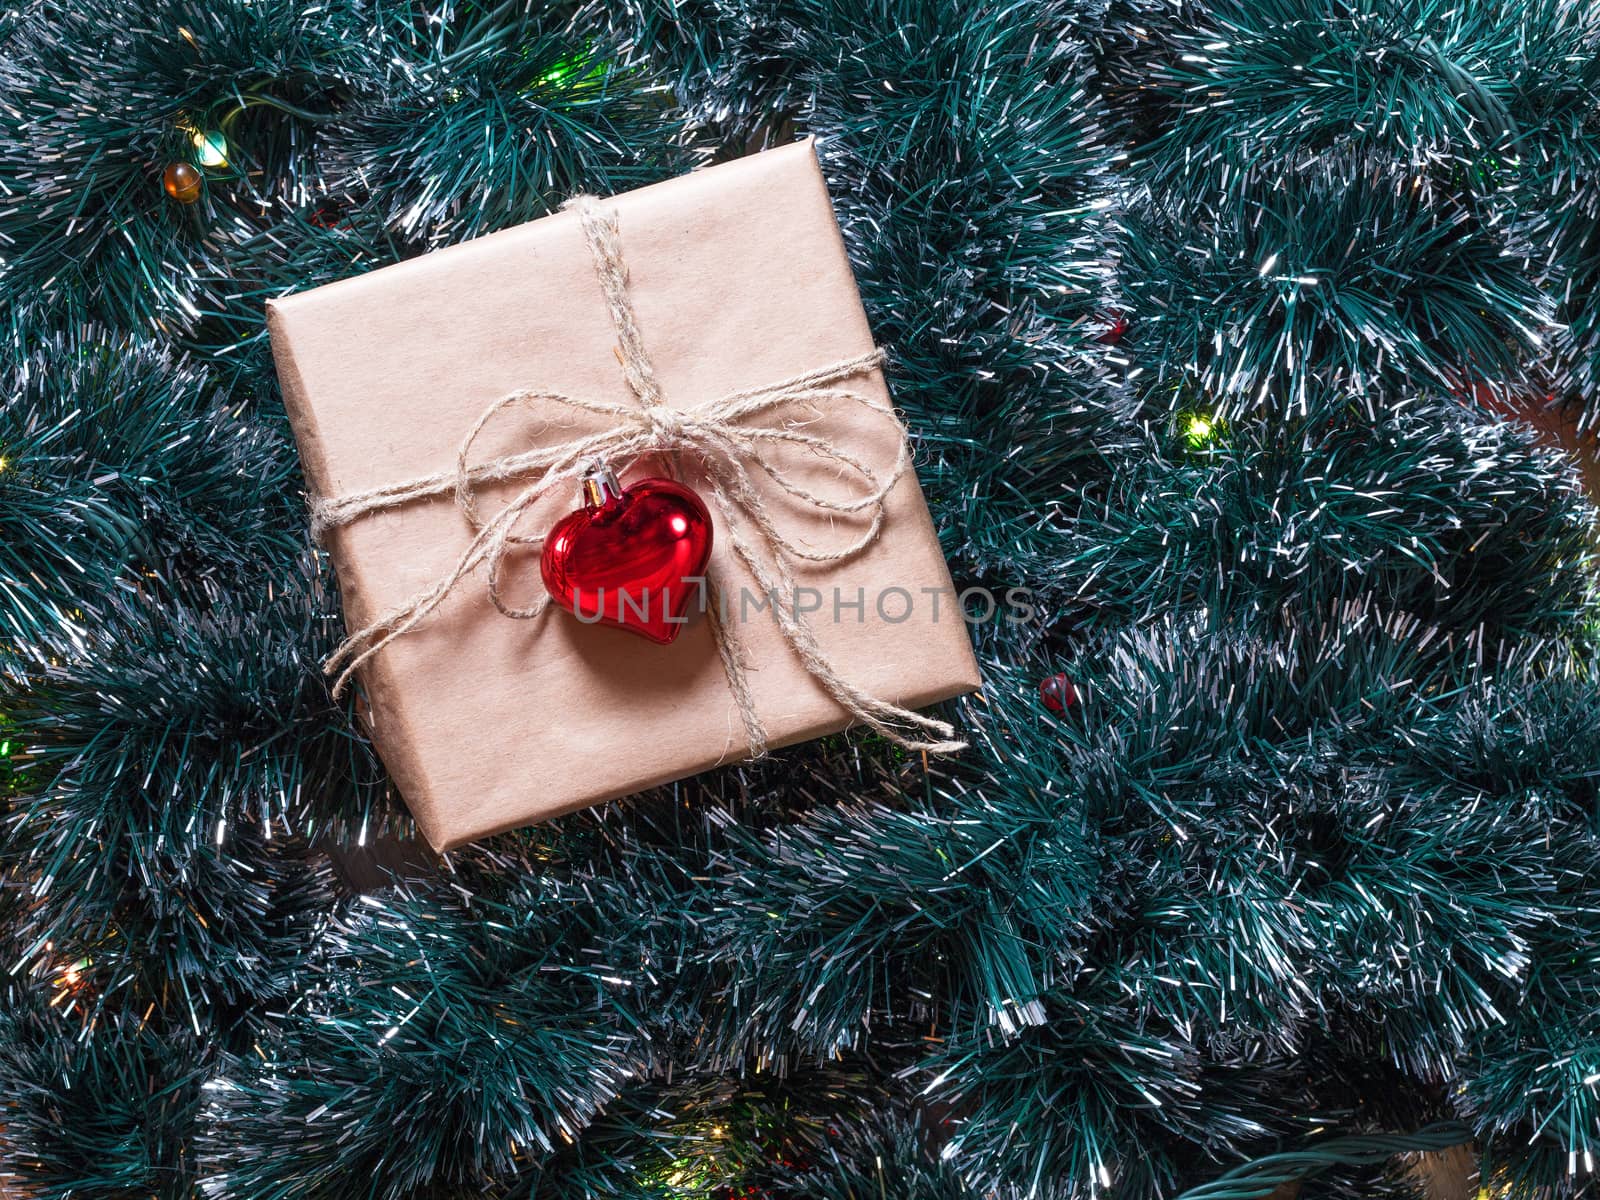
[632,558]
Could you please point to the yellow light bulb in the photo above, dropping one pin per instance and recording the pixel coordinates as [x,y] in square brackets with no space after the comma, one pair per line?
[210,149]
[1199,430]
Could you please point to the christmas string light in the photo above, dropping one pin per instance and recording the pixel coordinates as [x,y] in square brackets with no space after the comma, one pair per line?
[1200,430]
[211,148]
[559,73]
[182,182]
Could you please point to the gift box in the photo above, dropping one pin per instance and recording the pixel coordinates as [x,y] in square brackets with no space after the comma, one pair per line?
[735,279]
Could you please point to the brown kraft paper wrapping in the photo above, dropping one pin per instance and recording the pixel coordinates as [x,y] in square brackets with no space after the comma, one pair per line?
[739,278]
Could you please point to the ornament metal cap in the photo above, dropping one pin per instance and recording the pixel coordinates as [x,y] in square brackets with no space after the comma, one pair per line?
[600,484]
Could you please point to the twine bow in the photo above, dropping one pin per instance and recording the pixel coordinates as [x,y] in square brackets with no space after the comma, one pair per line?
[721,445]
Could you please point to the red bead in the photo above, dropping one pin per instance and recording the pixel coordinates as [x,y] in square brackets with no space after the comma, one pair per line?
[1113,334]
[1058,694]
[635,560]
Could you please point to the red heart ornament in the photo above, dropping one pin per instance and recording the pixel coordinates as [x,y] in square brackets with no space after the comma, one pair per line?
[631,557]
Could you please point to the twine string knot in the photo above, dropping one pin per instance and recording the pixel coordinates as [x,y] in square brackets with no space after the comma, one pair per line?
[668,425]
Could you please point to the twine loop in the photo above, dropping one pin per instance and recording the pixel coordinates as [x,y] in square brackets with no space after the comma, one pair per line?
[722,446]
